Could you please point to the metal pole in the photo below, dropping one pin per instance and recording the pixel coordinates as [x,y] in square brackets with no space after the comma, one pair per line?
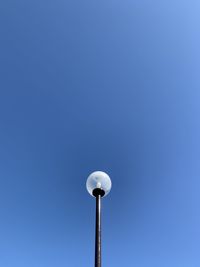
[98,232]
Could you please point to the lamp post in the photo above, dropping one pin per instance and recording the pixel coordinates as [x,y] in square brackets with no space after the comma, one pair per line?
[98,185]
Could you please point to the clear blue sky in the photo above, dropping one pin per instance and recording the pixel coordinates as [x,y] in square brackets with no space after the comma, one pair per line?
[100,85]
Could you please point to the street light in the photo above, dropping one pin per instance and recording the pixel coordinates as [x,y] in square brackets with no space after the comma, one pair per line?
[98,185]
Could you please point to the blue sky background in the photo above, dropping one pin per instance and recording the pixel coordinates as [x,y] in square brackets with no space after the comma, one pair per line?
[100,85]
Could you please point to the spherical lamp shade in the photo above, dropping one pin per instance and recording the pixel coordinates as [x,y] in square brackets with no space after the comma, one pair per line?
[99,180]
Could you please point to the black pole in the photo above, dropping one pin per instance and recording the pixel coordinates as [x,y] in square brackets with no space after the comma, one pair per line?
[98,232]
[98,193]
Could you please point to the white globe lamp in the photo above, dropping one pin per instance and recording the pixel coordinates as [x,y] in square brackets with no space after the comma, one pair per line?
[98,185]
